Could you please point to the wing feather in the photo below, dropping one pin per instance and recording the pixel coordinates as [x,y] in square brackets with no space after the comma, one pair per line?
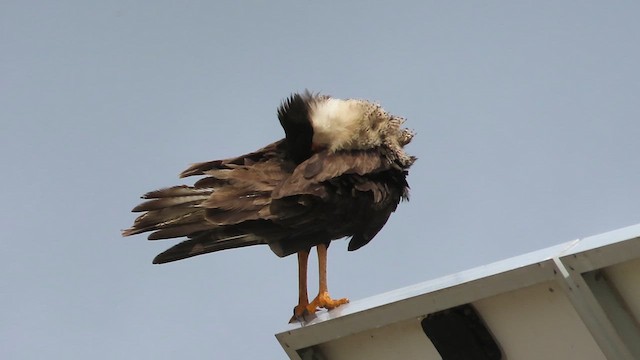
[323,166]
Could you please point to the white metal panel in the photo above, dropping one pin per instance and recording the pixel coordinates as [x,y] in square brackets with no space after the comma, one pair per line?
[624,278]
[404,340]
[538,322]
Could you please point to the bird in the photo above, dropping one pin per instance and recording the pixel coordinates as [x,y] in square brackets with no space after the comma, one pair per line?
[339,172]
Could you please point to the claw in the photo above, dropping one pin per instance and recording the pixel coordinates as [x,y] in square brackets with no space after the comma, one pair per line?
[303,313]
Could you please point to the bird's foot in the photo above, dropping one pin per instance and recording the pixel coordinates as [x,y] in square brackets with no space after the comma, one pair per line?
[303,312]
[323,300]
[306,312]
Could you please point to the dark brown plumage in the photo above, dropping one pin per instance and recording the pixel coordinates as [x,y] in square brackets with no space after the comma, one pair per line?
[339,172]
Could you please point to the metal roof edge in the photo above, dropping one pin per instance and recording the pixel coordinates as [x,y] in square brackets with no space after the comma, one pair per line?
[462,287]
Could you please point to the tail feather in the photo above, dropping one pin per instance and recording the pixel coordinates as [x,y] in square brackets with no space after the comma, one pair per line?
[232,221]
[193,247]
[179,190]
[174,207]
[180,230]
[201,167]
[168,202]
[224,237]
[164,218]
[183,195]
[228,208]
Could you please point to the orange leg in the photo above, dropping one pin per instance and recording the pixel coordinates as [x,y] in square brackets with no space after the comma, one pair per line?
[323,300]
[303,300]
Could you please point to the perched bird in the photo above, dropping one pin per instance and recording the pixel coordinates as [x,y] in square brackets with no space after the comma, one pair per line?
[339,172]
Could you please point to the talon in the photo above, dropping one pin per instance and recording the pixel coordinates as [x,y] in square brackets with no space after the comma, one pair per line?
[303,313]
[299,313]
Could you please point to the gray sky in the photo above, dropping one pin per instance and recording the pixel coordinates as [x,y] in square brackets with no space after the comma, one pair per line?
[527,116]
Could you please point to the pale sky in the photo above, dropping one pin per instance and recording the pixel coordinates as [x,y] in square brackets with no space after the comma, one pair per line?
[527,114]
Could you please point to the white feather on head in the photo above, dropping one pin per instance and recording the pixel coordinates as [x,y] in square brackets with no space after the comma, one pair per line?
[356,125]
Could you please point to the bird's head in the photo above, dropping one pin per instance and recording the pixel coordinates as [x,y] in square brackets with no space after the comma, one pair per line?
[317,122]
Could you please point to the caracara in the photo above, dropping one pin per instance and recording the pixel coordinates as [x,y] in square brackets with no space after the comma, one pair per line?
[339,172]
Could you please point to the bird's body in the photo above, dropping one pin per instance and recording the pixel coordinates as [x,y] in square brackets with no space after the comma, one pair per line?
[339,172]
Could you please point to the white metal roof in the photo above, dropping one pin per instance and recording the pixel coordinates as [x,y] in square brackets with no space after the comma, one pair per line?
[576,300]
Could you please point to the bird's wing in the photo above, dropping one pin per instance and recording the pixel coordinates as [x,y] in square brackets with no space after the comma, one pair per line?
[326,165]
[338,194]
[261,155]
